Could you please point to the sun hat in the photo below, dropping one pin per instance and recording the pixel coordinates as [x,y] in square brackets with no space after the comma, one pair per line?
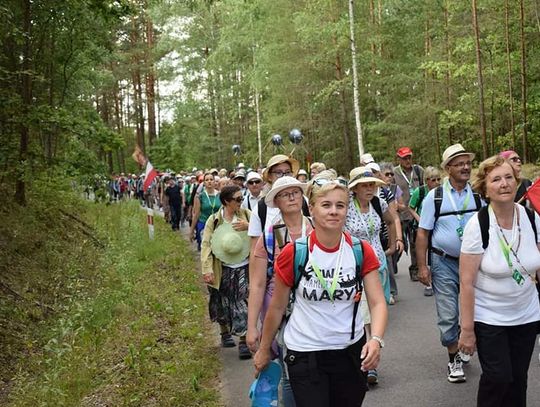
[363,175]
[253,175]
[366,159]
[229,245]
[302,172]
[281,184]
[241,165]
[404,152]
[452,152]
[278,159]
[264,389]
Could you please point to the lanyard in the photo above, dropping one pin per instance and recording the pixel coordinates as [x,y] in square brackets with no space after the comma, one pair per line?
[330,290]
[212,203]
[507,248]
[370,226]
[407,180]
[454,206]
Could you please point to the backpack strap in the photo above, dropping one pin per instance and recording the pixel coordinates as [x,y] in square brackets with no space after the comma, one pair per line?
[438,202]
[530,215]
[262,209]
[417,172]
[376,203]
[301,254]
[358,251]
[421,195]
[483,221]
[305,207]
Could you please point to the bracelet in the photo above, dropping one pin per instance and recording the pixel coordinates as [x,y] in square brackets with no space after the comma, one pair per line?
[379,340]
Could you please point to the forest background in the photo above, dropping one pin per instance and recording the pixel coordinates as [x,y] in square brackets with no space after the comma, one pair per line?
[83,82]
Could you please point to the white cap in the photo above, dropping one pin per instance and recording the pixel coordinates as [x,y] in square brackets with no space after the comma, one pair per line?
[366,159]
[373,167]
[253,175]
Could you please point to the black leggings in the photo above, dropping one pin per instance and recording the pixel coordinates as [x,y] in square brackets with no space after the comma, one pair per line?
[327,378]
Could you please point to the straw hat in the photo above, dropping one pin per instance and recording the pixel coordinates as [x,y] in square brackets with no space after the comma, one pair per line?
[281,184]
[363,175]
[278,159]
[228,245]
[452,152]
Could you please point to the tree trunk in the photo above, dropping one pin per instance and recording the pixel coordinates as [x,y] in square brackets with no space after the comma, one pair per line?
[356,100]
[509,71]
[480,80]
[26,88]
[525,152]
[150,81]
[448,51]
[346,131]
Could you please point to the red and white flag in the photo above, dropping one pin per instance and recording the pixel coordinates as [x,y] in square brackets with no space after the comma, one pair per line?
[150,173]
[533,195]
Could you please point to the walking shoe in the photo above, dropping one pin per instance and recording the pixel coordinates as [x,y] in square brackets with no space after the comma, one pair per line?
[243,351]
[392,299]
[428,291]
[227,341]
[455,371]
[413,274]
[372,377]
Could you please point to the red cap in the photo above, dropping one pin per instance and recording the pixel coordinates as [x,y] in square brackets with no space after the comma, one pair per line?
[404,152]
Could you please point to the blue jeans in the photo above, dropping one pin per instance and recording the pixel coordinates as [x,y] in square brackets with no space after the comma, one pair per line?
[445,281]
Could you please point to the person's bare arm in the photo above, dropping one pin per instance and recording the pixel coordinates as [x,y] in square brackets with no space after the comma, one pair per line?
[379,319]
[424,274]
[469,265]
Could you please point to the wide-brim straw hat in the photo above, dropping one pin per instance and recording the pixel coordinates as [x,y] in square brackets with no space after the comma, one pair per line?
[452,152]
[360,175]
[281,184]
[228,245]
[278,159]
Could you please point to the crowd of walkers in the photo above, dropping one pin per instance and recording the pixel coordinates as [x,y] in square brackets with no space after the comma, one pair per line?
[301,267]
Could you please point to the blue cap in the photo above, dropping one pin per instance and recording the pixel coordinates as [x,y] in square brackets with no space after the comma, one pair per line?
[264,390]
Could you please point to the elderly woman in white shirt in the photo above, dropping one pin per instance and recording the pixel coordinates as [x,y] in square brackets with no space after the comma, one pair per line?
[500,310]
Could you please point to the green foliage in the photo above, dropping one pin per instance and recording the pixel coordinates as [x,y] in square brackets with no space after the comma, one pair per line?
[126,324]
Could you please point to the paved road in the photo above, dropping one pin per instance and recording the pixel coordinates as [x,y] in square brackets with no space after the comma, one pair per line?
[413,366]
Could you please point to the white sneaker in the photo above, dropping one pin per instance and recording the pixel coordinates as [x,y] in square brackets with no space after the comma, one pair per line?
[455,371]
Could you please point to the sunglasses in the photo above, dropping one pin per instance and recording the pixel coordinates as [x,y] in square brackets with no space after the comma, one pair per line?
[388,174]
[238,199]
[438,179]
[254,182]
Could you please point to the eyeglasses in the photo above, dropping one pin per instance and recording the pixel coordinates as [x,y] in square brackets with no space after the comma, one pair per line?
[288,195]
[388,174]
[438,179]
[515,159]
[461,164]
[280,174]
[254,182]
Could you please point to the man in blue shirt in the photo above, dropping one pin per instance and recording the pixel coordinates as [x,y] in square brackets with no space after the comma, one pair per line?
[445,212]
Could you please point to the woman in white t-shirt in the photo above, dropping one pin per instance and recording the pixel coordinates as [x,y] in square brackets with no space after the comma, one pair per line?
[500,310]
[327,354]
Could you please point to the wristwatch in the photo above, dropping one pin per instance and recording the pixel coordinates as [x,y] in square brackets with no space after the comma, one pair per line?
[379,340]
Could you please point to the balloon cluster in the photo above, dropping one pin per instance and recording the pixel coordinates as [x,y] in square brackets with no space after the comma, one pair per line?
[236,149]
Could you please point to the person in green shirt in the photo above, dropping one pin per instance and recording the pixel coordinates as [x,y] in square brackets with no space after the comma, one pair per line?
[432,179]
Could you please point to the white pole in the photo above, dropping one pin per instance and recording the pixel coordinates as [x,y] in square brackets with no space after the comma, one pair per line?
[150,222]
[355,83]
[258,126]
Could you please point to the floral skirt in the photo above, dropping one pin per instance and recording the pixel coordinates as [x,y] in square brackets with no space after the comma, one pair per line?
[228,305]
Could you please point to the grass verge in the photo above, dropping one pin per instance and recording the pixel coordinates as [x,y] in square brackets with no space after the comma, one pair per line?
[141,337]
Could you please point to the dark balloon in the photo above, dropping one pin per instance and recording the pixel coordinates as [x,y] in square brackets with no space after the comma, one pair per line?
[277,140]
[236,149]
[295,136]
